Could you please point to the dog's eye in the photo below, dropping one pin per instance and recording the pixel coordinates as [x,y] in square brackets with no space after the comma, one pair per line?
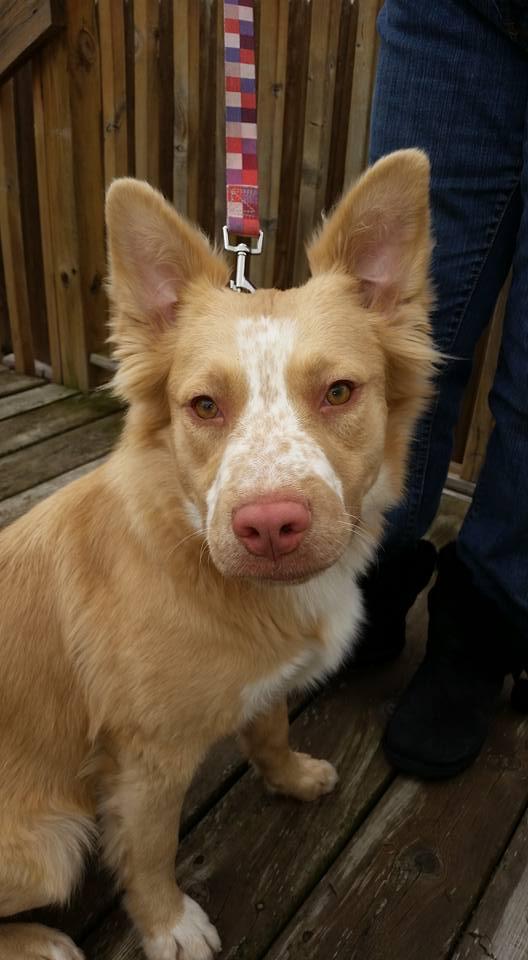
[204,407]
[339,393]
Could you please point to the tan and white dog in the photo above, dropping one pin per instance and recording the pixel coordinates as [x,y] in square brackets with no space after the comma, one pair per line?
[178,592]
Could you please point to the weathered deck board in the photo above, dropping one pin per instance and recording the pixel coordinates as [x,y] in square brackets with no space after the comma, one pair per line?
[14,507]
[407,882]
[499,927]
[253,859]
[15,383]
[32,399]
[33,426]
[50,458]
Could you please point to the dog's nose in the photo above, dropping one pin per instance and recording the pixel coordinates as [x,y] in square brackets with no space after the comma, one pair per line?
[271,529]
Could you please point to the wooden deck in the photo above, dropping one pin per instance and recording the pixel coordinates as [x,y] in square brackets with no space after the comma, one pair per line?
[386,868]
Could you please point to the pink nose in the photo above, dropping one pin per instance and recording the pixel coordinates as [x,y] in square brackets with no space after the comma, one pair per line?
[271,529]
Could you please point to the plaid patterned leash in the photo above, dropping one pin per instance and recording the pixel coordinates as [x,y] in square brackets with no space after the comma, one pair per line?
[242,198]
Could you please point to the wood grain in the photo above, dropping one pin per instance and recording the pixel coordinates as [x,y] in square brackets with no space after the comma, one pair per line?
[29,400]
[406,883]
[498,929]
[84,75]
[12,236]
[58,213]
[14,383]
[14,507]
[114,88]
[26,468]
[32,426]
[24,25]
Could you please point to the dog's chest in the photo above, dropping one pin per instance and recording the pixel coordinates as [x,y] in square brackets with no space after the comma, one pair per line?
[332,601]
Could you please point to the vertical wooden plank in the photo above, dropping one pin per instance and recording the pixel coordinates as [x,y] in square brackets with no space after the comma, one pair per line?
[220,158]
[272,64]
[317,125]
[89,184]
[114,88]
[342,93]
[193,104]
[11,234]
[181,55]
[130,60]
[207,147]
[5,333]
[166,101]
[299,28]
[147,93]
[55,167]
[29,208]
[362,86]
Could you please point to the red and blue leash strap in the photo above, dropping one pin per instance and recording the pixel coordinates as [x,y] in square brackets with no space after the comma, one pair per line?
[242,194]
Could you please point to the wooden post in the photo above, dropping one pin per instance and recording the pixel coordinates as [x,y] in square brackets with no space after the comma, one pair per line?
[272,64]
[362,87]
[114,88]
[324,38]
[11,235]
[182,32]
[147,93]
[55,167]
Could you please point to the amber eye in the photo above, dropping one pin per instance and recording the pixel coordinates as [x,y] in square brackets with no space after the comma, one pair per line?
[204,407]
[339,393]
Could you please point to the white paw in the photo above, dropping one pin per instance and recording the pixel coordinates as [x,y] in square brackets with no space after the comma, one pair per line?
[306,778]
[192,938]
[64,950]
[32,941]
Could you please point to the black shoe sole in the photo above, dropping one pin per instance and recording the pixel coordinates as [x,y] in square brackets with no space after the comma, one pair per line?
[427,771]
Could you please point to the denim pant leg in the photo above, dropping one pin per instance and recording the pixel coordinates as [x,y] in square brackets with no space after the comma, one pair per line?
[493,541]
[450,82]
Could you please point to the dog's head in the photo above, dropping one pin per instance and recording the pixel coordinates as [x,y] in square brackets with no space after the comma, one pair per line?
[286,414]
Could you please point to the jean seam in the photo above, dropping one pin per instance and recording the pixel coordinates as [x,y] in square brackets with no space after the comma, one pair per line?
[417,498]
[493,231]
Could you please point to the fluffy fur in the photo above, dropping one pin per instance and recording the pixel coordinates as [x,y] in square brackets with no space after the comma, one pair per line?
[140,629]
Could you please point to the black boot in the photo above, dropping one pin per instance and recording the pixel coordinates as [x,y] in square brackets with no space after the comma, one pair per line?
[390,589]
[443,718]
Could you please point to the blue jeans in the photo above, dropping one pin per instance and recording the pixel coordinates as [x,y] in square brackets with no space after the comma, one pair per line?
[452,81]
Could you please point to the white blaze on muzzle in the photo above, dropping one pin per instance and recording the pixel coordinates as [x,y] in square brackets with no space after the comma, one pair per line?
[268,450]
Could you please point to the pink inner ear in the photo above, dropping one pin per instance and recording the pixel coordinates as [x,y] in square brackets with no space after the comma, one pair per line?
[164,299]
[379,264]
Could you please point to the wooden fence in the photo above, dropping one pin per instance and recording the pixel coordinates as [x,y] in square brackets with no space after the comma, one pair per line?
[110,88]
[95,89]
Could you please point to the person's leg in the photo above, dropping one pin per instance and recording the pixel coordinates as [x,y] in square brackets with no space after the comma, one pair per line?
[448,81]
[478,109]
[493,542]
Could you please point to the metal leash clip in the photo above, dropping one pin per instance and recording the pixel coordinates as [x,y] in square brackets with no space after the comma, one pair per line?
[241,283]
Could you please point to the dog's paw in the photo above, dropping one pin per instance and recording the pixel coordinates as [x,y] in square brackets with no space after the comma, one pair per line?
[35,942]
[306,778]
[193,937]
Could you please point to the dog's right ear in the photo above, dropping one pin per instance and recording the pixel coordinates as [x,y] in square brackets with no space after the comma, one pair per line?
[154,256]
[154,253]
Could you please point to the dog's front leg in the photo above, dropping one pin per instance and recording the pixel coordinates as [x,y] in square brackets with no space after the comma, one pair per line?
[265,742]
[140,819]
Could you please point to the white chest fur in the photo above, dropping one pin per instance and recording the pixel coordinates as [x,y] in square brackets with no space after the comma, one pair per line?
[332,600]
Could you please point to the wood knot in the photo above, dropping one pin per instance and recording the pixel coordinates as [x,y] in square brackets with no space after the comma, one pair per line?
[86,48]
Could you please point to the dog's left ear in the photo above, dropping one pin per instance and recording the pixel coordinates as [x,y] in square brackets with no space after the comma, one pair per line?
[379,232]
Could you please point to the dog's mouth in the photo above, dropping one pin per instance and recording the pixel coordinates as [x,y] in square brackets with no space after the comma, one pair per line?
[291,569]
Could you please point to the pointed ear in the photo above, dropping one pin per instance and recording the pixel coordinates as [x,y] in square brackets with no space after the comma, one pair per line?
[153,254]
[379,233]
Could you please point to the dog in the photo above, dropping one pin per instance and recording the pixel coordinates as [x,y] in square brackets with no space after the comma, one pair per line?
[179,591]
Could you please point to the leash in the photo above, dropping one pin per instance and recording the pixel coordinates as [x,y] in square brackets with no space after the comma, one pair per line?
[242,191]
